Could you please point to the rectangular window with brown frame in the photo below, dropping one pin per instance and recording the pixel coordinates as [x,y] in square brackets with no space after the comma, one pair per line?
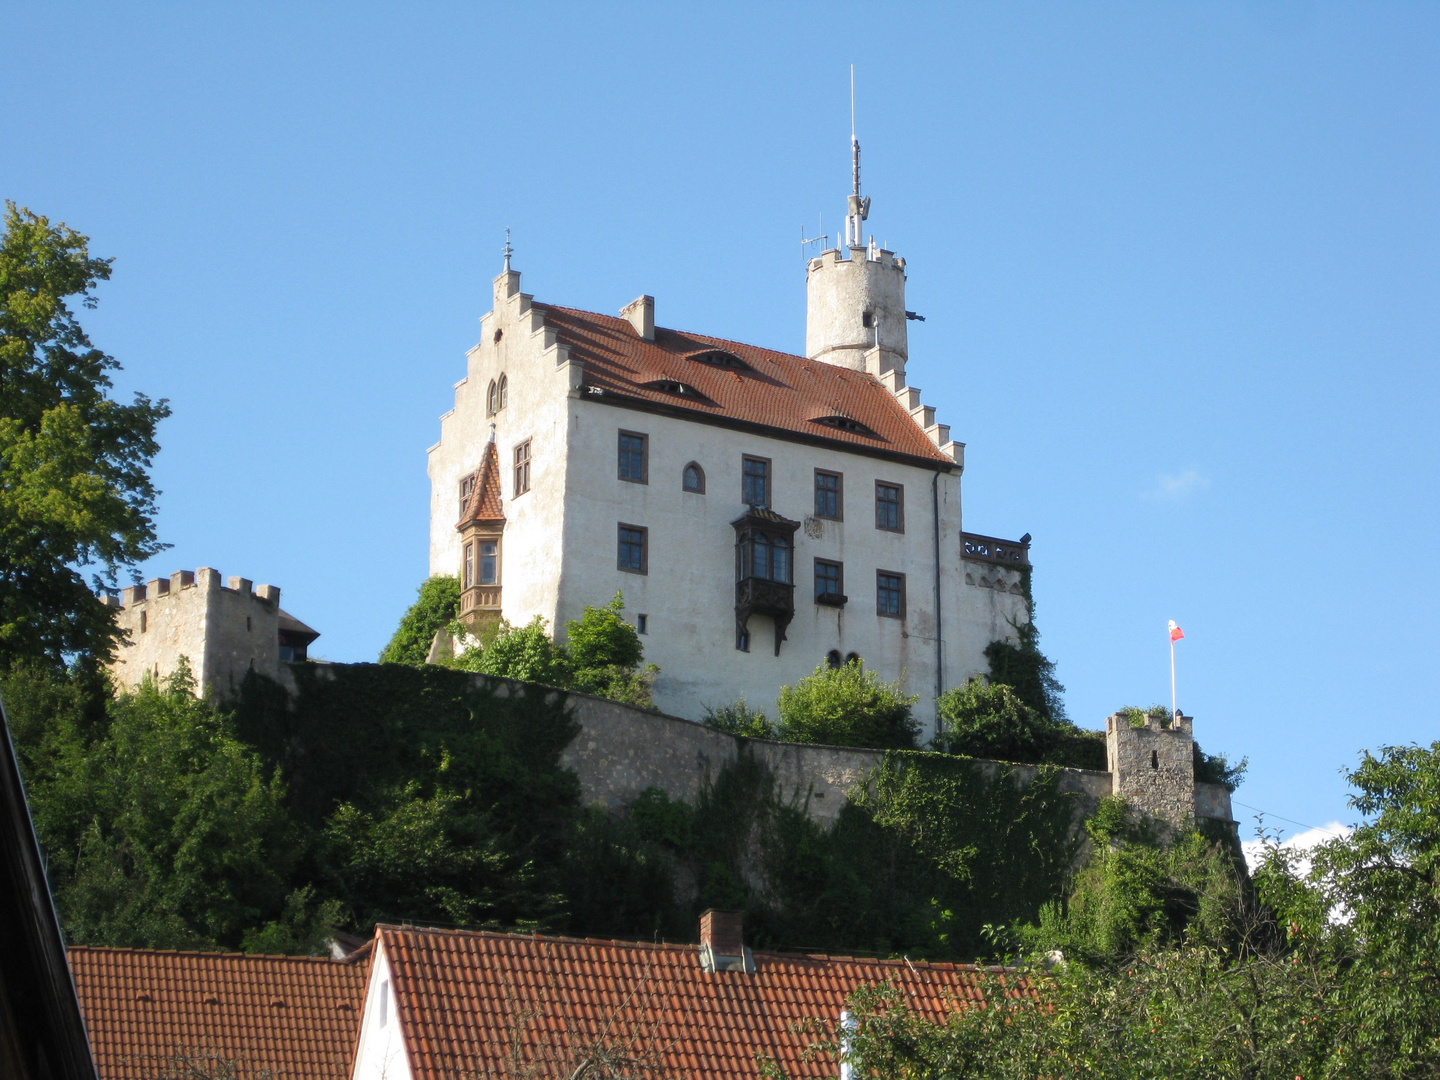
[830,583]
[889,594]
[468,576]
[889,507]
[633,554]
[634,463]
[829,495]
[467,486]
[522,469]
[755,481]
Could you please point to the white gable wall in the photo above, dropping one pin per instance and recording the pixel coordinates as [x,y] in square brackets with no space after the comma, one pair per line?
[381,1049]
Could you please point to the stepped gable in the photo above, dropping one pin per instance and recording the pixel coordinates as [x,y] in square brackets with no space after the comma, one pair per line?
[462,997]
[772,389]
[282,1016]
[485,503]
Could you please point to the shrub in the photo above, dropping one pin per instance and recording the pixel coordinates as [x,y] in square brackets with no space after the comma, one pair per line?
[991,720]
[847,706]
[433,611]
[740,719]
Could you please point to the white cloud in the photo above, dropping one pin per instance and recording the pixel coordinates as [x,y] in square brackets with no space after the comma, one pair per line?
[1301,842]
[1172,487]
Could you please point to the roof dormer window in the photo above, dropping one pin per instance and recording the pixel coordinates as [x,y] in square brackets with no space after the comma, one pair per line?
[845,423]
[674,386]
[721,359]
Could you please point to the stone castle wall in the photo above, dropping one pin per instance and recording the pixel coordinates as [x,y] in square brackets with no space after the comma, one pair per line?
[621,751]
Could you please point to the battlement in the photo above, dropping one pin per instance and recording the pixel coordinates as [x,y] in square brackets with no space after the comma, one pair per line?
[851,256]
[205,579]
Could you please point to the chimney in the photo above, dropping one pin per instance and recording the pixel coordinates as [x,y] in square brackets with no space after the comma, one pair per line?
[641,314]
[722,943]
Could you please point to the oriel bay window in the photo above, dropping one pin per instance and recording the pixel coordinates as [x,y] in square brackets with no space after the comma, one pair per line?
[764,571]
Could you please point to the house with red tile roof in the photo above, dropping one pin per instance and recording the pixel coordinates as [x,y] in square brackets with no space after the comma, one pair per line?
[153,1013]
[761,512]
[447,1004]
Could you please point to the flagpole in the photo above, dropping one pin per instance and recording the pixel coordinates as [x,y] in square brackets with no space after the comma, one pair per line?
[1172,676]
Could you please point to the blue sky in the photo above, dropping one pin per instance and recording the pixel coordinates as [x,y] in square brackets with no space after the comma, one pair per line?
[1178,263]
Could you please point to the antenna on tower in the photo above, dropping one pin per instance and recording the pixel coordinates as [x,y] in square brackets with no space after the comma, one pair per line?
[507,251]
[859,206]
[823,239]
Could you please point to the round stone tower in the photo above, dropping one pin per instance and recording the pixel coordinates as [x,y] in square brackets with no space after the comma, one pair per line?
[855,297]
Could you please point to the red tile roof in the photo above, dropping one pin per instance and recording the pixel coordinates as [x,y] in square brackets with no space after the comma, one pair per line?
[296,1017]
[773,389]
[465,999]
[484,503]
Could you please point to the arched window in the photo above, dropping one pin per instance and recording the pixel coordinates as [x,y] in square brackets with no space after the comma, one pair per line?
[832,658]
[492,399]
[853,658]
[504,391]
[693,478]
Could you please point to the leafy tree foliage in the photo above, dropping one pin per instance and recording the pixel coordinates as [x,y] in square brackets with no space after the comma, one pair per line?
[740,719]
[432,612]
[991,720]
[1028,671]
[602,656]
[1174,966]
[75,489]
[847,706]
[161,828]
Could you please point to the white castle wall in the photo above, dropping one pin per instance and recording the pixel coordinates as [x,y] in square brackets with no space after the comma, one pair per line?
[558,553]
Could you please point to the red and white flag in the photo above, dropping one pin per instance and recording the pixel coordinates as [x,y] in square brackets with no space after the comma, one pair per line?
[1175,632]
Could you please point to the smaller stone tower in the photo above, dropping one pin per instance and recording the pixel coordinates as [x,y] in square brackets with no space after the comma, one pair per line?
[855,298]
[1152,767]
[222,630]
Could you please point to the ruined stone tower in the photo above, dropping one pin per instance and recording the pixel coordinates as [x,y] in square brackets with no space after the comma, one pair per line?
[1152,767]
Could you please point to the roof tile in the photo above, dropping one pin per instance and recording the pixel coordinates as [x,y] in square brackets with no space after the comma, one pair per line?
[465,998]
[295,1017]
[775,389]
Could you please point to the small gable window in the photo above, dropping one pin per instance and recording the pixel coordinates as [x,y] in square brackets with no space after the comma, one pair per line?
[845,423]
[721,359]
[467,488]
[492,399]
[504,391]
[693,479]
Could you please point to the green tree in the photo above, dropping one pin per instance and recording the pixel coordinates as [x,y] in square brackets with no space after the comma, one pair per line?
[606,655]
[740,719]
[75,489]
[1174,966]
[520,652]
[161,828]
[602,656]
[433,611]
[847,706]
[990,720]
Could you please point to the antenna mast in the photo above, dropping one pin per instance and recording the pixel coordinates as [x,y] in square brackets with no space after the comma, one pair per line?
[859,206]
[507,251]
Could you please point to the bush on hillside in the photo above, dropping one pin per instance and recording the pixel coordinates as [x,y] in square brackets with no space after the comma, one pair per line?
[847,706]
[435,609]
[740,719]
[603,656]
[990,720]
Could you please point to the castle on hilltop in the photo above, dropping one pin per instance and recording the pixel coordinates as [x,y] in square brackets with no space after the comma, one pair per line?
[762,513]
